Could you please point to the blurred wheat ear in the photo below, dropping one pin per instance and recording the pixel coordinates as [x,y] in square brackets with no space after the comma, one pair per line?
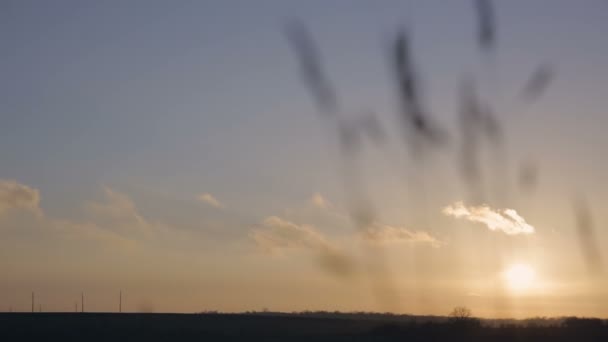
[313,75]
[586,235]
[486,30]
[477,124]
[538,82]
[418,127]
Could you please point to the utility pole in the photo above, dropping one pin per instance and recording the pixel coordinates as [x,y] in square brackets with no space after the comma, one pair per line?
[82,301]
[32,301]
[120,302]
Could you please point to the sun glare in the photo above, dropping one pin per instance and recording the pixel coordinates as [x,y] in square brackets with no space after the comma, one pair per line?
[520,277]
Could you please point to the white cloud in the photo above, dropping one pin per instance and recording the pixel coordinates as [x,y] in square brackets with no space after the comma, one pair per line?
[504,220]
[385,234]
[210,200]
[14,195]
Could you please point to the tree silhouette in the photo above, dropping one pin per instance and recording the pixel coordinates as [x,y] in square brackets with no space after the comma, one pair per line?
[462,316]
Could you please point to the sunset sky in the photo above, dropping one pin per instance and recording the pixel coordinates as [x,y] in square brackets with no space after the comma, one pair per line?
[171,151]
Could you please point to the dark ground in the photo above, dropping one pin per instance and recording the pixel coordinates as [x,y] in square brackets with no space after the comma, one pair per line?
[256,327]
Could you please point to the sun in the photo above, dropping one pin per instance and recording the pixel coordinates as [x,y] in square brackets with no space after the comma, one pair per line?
[520,277]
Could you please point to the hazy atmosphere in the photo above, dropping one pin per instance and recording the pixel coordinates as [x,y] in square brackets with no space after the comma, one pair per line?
[200,155]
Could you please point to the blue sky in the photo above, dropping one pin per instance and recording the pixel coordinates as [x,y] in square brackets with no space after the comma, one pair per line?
[177,95]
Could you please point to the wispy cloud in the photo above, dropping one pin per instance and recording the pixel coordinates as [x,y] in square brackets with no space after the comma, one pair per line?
[115,220]
[117,208]
[14,195]
[112,223]
[507,221]
[385,234]
[276,234]
[320,202]
[119,211]
[211,200]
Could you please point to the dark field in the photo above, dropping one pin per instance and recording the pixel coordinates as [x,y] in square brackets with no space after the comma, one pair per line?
[256,327]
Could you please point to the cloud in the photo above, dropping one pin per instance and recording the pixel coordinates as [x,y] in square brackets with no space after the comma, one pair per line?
[17,196]
[118,213]
[209,199]
[105,228]
[504,220]
[113,221]
[385,234]
[14,195]
[277,233]
[320,202]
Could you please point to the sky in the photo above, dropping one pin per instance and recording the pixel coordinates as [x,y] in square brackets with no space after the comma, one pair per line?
[171,151]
